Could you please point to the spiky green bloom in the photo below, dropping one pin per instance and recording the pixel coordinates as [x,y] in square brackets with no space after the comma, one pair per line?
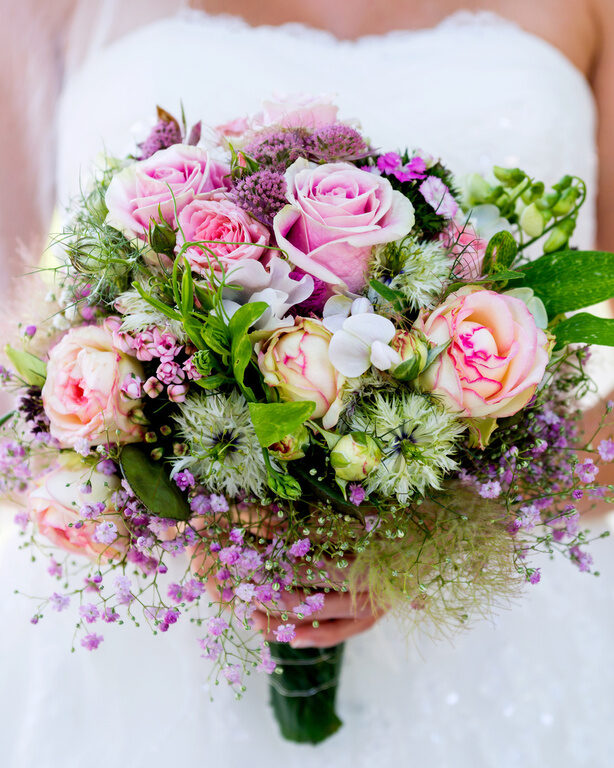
[418,439]
[139,314]
[223,451]
[418,268]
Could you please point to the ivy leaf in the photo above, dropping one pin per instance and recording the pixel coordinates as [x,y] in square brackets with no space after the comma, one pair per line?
[31,369]
[585,328]
[500,253]
[152,485]
[241,347]
[570,280]
[274,421]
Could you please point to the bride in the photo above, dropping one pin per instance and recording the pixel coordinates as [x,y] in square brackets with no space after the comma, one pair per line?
[508,83]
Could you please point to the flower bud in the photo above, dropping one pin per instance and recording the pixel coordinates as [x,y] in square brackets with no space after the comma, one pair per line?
[559,236]
[509,177]
[355,456]
[291,446]
[162,238]
[532,221]
[566,202]
[413,349]
[477,189]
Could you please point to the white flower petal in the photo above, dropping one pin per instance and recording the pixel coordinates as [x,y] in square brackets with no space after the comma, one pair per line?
[370,327]
[337,305]
[361,306]
[383,356]
[348,354]
[334,323]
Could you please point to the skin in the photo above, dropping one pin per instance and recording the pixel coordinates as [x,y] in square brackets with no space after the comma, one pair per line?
[31,54]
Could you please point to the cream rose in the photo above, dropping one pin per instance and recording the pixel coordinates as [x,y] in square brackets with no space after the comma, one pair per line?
[496,356]
[57,503]
[82,394]
[295,361]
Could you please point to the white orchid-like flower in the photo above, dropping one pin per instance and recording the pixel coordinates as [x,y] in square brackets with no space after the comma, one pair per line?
[251,281]
[360,339]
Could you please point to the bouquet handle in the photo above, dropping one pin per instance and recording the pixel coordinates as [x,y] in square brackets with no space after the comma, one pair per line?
[303,694]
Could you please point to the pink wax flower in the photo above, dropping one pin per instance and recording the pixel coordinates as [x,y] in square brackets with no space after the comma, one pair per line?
[82,394]
[144,191]
[228,234]
[496,355]
[336,214]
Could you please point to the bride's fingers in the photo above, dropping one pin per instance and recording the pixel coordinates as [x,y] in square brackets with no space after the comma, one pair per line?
[331,632]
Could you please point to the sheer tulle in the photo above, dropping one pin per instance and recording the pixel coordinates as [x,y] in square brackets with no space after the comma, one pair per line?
[532,688]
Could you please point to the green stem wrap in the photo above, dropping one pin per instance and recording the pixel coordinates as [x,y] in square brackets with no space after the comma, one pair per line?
[303,695]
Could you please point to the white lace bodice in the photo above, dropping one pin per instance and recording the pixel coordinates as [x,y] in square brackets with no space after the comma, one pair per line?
[476,90]
[533,688]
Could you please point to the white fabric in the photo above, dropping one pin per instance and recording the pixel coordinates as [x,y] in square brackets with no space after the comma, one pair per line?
[533,688]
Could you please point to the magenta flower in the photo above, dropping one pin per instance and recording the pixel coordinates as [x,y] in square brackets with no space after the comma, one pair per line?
[285,633]
[490,490]
[587,470]
[92,641]
[388,162]
[606,450]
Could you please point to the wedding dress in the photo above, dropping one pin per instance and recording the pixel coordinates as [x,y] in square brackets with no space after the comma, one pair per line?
[533,687]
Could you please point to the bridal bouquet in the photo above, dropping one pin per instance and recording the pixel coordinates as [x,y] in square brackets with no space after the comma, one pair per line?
[282,363]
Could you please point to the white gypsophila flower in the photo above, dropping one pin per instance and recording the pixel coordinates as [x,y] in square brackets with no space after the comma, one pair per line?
[418,439]
[223,451]
[139,315]
[424,268]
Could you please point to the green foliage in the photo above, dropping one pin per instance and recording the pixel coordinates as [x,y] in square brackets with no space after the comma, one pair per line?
[274,421]
[394,297]
[570,280]
[500,253]
[151,483]
[585,328]
[241,346]
[32,370]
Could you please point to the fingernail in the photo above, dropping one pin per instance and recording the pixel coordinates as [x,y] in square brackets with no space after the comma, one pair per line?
[300,642]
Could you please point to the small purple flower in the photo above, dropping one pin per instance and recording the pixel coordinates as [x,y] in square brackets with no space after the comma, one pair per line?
[218,503]
[132,387]
[164,134]
[212,648]
[109,615]
[30,331]
[267,664]
[171,616]
[300,548]
[263,194]
[388,162]
[413,170]
[54,568]
[315,601]
[535,576]
[606,450]
[91,511]
[587,470]
[577,493]
[529,516]
[175,592]
[21,520]
[582,559]
[59,602]
[200,504]
[86,488]
[490,490]
[106,467]
[232,673]
[105,532]
[357,494]
[245,592]
[229,555]
[438,196]
[92,641]
[285,633]
[184,480]
[217,626]
[89,612]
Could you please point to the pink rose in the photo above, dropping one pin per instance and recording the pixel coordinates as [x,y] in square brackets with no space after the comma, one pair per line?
[466,248]
[57,503]
[337,213]
[295,361]
[144,191]
[217,219]
[82,394]
[496,358]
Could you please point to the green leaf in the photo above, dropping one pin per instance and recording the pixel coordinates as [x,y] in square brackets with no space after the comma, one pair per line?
[187,289]
[500,253]
[215,335]
[274,421]
[395,298]
[244,317]
[7,417]
[585,328]
[570,280]
[151,483]
[213,382]
[32,370]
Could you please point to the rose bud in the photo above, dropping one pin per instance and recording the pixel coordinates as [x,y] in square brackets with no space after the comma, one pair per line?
[414,351]
[291,446]
[355,456]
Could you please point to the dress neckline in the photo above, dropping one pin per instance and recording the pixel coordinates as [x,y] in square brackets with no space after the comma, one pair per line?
[459,18]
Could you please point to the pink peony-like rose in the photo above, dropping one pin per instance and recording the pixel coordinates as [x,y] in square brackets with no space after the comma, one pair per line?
[496,358]
[297,112]
[337,213]
[467,249]
[295,361]
[216,219]
[144,191]
[82,394]
[57,503]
